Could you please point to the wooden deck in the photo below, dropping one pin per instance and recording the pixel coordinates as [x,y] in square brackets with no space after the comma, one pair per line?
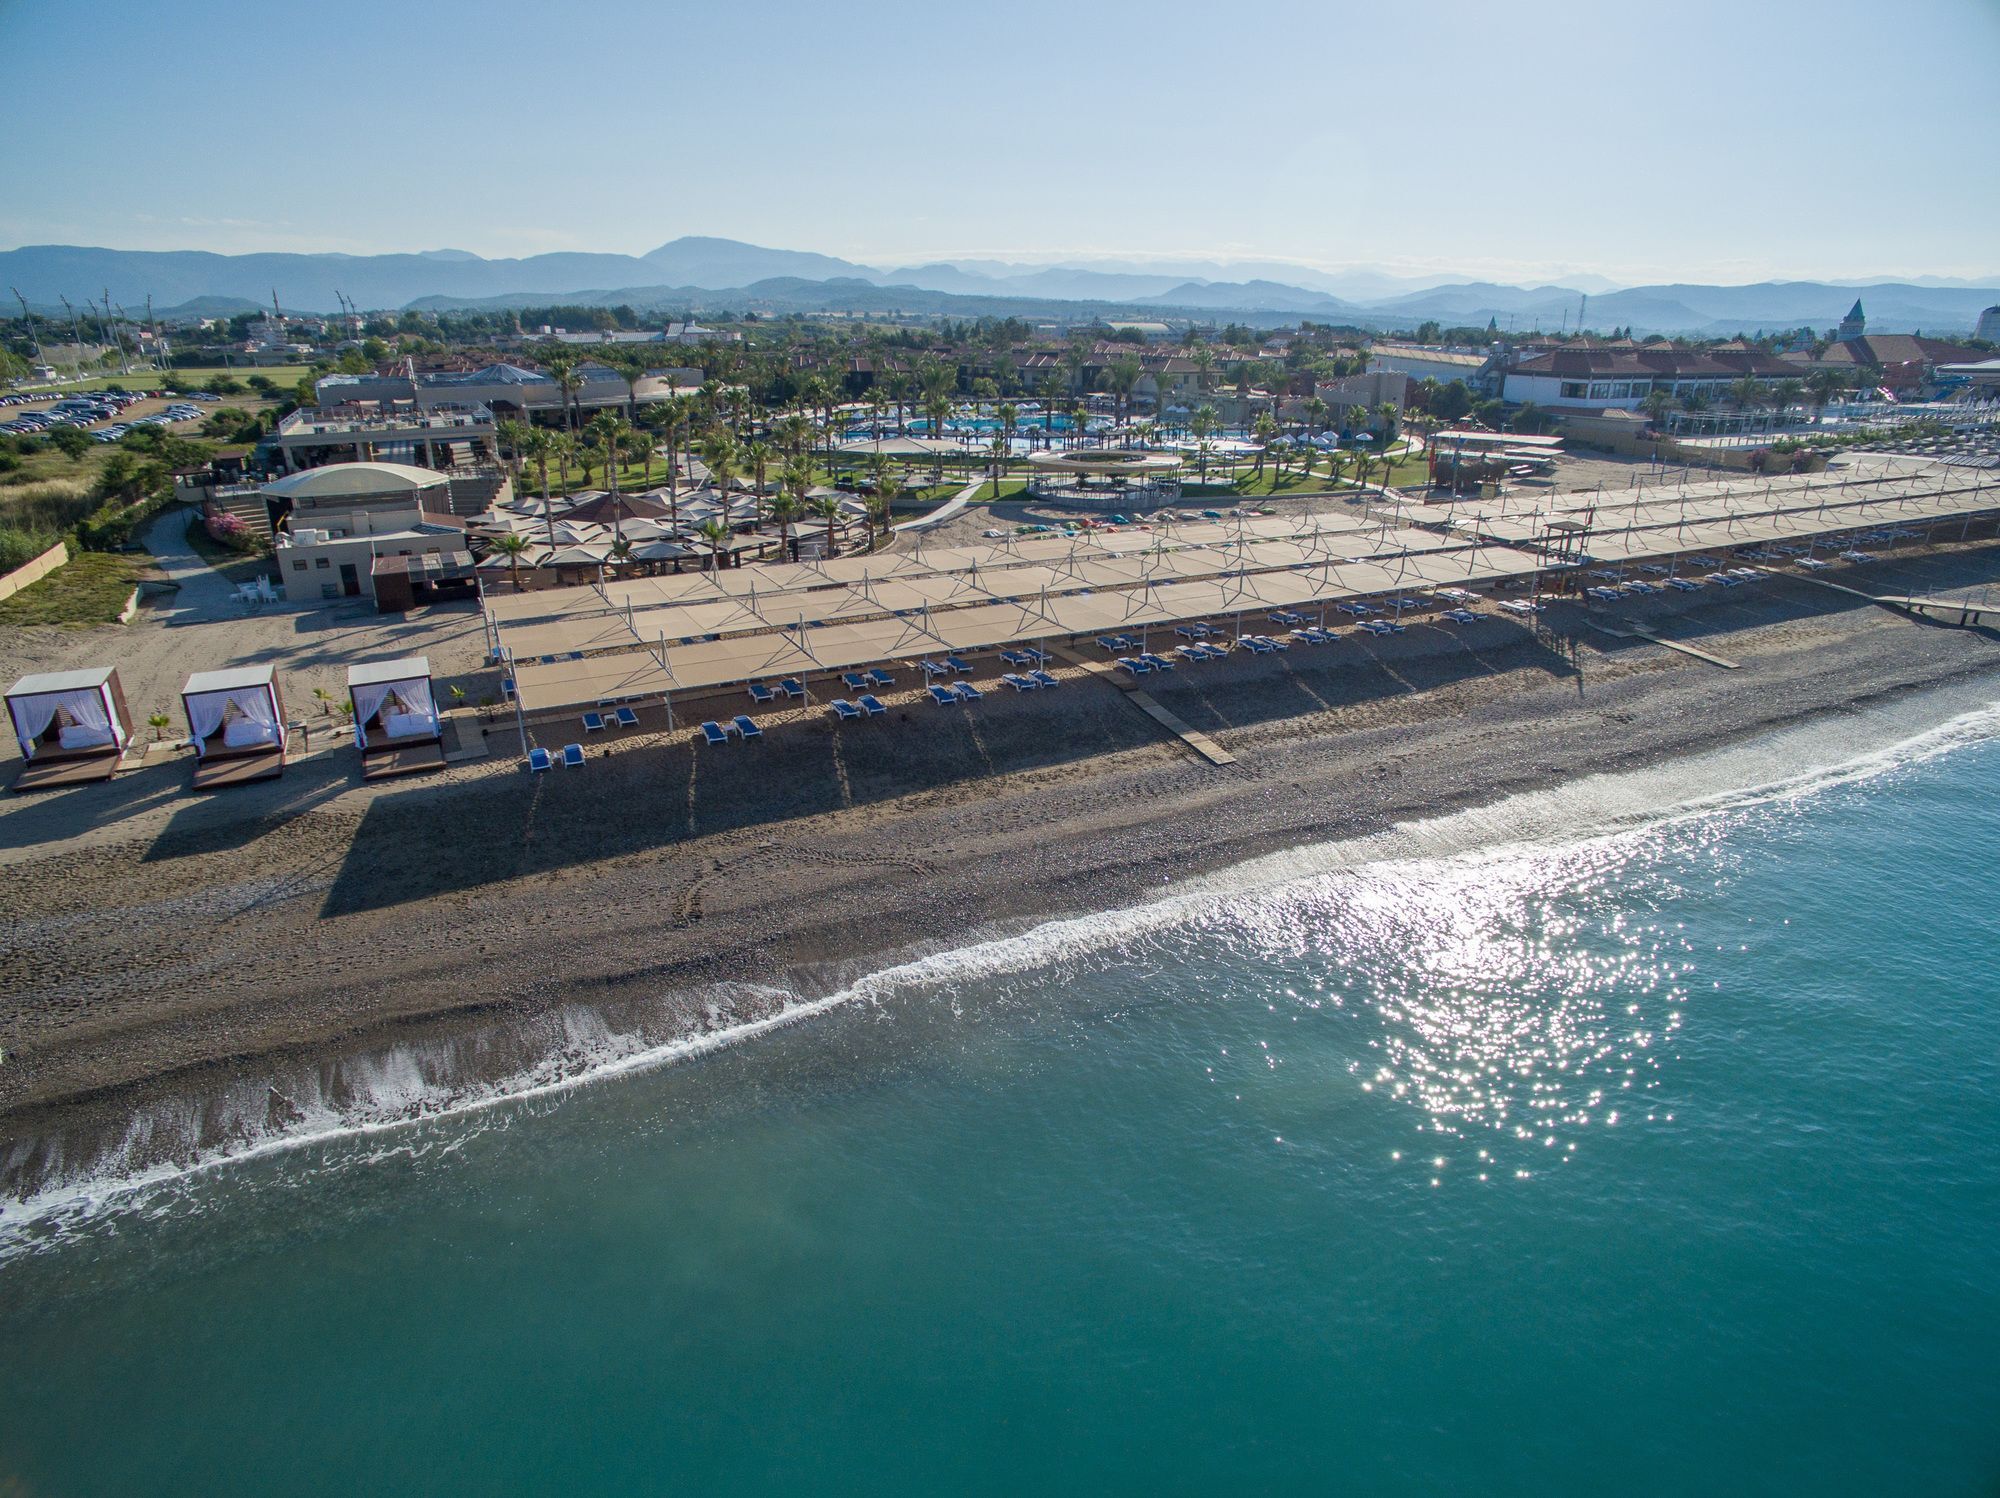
[410,759]
[46,773]
[217,771]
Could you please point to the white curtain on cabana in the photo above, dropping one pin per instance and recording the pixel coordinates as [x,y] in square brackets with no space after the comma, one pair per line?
[207,710]
[406,707]
[86,708]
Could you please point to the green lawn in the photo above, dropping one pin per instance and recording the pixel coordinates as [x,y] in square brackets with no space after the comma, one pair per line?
[92,589]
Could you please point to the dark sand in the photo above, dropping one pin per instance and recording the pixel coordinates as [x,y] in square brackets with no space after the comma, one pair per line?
[159,944]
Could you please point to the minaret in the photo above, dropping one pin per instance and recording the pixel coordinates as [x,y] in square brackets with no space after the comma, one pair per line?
[1854,324]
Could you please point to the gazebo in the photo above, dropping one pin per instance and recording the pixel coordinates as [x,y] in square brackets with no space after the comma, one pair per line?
[396,722]
[236,726]
[72,727]
[1106,478]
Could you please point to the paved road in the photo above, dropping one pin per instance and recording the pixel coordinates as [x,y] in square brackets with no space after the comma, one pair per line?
[204,594]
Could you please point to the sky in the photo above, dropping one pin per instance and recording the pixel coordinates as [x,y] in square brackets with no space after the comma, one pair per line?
[1698,141]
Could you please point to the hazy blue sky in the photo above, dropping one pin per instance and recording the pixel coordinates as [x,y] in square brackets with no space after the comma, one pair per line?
[1715,141]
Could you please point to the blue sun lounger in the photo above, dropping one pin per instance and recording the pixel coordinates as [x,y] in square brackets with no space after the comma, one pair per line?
[1042,678]
[572,755]
[871,704]
[935,668]
[855,681]
[1133,664]
[942,696]
[1021,683]
[747,727]
[958,665]
[965,691]
[842,709]
[539,760]
[761,693]
[713,732]
[791,686]
[881,678]
[627,718]
[593,722]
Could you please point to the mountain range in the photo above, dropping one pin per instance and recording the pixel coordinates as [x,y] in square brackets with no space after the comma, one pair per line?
[710,275]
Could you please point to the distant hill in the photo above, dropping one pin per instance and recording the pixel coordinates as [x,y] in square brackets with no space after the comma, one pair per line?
[724,274]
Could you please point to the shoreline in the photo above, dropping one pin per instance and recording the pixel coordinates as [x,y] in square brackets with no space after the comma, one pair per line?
[641,895]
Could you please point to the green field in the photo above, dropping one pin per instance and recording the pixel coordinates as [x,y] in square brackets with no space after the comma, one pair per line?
[285,376]
[92,589]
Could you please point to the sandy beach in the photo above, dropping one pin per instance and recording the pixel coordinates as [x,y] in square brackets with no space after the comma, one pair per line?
[159,944]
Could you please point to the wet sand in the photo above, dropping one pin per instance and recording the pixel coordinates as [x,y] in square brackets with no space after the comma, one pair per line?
[160,944]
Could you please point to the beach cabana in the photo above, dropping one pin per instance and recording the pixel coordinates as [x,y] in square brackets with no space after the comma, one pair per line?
[236,726]
[396,722]
[72,727]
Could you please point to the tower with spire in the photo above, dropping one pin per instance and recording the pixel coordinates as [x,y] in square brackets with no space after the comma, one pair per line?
[1854,324]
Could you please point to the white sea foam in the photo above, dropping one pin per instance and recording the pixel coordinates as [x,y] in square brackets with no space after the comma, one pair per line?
[168,1144]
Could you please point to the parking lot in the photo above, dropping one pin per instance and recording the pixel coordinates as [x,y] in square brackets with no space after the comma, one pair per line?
[106,415]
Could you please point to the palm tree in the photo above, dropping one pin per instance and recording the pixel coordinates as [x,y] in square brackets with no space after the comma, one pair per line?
[540,444]
[1824,385]
[714,532]
[1747,392]
[1123,377]
[997,451]
[1265,430]
[637,447]
[784,512]
[511,546]
[1203,425]
[512,437]
[621,551]
[718,451]
[158,723]
[607,430]
[562,369]
[564,448]
[1010,417]
[760,455]
[1657,404]
[875,510]
[827,508]
[1387,416]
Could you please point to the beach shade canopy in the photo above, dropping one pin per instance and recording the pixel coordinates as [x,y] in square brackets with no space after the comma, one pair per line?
[237,709]
[68,711]
[393,701]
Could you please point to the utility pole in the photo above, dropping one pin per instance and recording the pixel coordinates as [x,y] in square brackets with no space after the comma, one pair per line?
[75,324]
[34,333]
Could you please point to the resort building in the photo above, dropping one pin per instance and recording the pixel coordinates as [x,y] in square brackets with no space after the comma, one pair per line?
[395,433]
[509,391]
[1987,329]
[334,524]
[1600,378]
[1906,364]
[1442,365]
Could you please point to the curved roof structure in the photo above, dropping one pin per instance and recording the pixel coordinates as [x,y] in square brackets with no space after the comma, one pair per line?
[337,479]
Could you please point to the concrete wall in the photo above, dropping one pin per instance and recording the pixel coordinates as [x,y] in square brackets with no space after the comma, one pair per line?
[35,571]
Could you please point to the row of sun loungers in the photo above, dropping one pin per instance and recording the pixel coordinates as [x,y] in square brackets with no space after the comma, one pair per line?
[716,734]
[622,717]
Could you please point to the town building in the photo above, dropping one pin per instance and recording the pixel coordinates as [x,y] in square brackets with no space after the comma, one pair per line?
[1987,329]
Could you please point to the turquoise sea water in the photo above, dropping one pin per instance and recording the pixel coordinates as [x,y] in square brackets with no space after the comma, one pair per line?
[1478,1159]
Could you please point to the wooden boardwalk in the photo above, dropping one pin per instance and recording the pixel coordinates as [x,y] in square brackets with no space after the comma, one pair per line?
[1961,612]
[1193,737]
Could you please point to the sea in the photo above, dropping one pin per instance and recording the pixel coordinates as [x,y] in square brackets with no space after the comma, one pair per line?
[1640,1136]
